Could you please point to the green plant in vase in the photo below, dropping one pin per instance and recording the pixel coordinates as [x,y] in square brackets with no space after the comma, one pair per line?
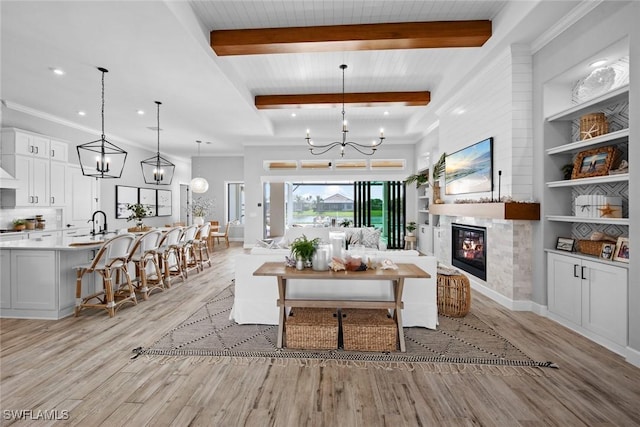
[138,213]
[303,249]
[411,227]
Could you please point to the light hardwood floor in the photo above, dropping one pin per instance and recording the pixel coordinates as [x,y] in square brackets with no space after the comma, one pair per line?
[82,365]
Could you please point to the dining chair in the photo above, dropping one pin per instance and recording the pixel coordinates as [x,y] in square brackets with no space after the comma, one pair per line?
[145,269]
[186,247]
[110,263]
[168,253]
[202,245]
[215,227]
[225,235]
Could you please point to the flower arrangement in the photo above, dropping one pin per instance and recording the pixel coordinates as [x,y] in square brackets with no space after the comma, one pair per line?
[138,211]
[201,206]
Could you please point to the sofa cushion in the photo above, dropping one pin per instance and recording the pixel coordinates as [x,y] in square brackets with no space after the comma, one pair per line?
[369,237]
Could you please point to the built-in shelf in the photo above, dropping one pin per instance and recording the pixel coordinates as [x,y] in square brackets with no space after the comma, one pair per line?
[423,210]
[577,219]
[423,197]
[588,181]
[574,112]
[578,146]
[524,211]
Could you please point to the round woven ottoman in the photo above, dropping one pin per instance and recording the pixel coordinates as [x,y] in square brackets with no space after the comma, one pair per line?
[454,295]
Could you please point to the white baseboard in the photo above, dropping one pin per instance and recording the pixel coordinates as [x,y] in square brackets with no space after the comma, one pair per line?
[633,356]
[515,305]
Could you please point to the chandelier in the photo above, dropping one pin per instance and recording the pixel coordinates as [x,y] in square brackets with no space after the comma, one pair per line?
[366,149]
[199,184]
[157,170]
[101,158]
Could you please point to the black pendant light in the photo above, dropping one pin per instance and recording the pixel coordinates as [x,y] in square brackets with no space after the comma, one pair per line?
[101,158]
[157,170]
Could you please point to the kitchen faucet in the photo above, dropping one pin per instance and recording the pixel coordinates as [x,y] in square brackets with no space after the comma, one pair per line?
[93,223]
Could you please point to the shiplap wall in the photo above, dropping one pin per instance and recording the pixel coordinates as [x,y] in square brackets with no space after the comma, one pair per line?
[496,103]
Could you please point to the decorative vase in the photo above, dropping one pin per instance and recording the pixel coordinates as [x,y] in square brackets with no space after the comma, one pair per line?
[410,233]
[198,220]
[436,193]
[299,264]
[139,224]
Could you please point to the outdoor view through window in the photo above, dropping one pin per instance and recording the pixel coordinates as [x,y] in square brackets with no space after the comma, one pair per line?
[327,204]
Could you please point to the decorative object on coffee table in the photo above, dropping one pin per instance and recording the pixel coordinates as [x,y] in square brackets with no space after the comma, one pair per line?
[454,295]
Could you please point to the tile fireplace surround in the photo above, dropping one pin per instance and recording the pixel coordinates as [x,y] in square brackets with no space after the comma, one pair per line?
[509,267]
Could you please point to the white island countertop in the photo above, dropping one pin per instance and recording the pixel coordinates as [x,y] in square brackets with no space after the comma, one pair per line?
[67,243]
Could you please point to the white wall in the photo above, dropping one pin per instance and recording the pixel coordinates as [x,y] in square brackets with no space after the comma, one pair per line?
[217,171]
[497,103]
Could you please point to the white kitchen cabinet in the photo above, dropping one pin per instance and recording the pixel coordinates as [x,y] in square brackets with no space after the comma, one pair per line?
[57,184]
[27,157]
[82,193]
[31,280]
[590,295]
[5,279]
[58,151]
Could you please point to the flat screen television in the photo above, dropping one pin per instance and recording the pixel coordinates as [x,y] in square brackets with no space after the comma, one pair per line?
[470,170]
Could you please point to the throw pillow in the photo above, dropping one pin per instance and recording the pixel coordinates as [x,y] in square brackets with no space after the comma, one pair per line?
[369,237]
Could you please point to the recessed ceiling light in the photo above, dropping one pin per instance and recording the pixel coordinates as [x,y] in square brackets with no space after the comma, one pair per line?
[598,63]
[293,114]
[57,71]
[386,113]
[459,111]
[82,113]
[140,112]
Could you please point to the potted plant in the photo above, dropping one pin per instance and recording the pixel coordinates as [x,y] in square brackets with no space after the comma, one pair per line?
[138,213]
[567,170]
[19,224]
[302,249]
[200,208]
[419,179]
[411,227]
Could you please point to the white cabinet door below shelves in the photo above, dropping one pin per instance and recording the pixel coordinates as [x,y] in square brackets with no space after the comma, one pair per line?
[57,189]
[565,286]
[604,301]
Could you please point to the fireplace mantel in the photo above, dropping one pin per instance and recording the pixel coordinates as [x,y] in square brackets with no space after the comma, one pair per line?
[512,211]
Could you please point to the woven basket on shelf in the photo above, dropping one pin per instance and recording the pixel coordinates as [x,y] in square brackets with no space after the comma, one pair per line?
[312,328]
[454,295]
[592,125]
[368,330]
[591,247]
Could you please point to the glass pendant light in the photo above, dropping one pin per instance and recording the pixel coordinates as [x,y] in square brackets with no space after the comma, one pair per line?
[101,158]
[199,184]
[157,170]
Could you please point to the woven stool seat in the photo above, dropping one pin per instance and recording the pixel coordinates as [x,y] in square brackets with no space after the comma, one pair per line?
[454,295]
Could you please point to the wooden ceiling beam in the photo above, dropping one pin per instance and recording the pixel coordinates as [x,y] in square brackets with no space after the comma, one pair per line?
[333,100]
[331,38]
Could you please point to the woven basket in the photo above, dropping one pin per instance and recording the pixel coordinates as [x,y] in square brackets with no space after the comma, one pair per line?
[368,330]
[592,125]
[454,295]
[312,328]
[591,247]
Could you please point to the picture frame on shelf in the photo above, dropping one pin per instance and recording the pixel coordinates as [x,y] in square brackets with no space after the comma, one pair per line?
[622,250]
[593,162]
[607,251]
[565,244]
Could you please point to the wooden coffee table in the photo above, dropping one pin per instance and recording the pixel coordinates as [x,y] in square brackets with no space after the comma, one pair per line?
[283,273]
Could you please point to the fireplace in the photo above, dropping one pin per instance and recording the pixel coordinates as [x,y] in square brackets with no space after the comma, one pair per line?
[469,249]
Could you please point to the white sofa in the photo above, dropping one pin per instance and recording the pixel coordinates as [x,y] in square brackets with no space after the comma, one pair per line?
[255,297]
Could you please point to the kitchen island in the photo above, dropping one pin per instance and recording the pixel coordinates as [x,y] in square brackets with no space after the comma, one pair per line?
[38,277]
